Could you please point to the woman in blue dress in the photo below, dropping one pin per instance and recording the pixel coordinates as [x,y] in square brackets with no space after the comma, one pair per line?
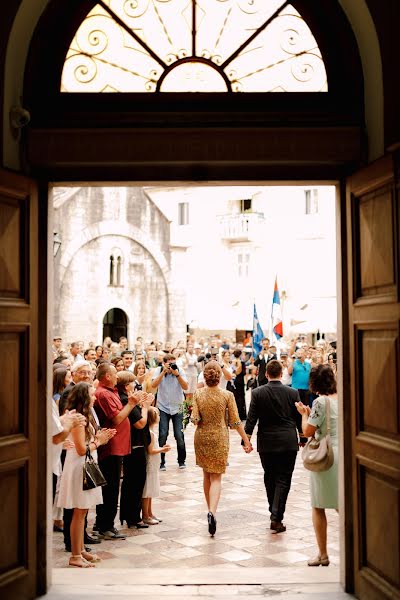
[323,484]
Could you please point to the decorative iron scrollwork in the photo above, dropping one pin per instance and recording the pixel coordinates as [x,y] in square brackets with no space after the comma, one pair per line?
[253,45]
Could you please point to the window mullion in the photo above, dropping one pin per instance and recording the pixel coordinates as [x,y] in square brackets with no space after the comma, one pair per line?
[194,25]
[122,24]
[254,35]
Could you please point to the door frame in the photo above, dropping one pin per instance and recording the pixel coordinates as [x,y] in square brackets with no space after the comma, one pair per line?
[345,467]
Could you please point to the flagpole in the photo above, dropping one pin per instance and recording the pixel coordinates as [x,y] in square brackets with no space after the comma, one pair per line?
[252,336]
[272,335]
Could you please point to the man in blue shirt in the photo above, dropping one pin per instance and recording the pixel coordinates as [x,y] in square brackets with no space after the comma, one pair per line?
[170,381]
[300,371]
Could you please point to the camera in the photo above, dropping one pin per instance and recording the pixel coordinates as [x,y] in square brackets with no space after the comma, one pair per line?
[173,366]
[204,358]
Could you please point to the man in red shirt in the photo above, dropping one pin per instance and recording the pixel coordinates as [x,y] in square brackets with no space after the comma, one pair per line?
[112,414]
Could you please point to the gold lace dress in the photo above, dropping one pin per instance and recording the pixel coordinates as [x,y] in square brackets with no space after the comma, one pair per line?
[213,410]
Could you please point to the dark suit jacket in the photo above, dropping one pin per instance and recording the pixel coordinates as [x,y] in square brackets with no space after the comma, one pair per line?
[63,402]
[272,405]
[261,363]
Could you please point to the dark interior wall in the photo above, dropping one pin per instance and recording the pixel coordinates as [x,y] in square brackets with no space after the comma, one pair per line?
[8,12]
[386,16]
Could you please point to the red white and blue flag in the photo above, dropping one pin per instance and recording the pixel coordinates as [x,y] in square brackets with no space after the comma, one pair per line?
[276,316]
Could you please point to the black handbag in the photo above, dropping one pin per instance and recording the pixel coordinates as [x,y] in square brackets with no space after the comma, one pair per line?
[92,476]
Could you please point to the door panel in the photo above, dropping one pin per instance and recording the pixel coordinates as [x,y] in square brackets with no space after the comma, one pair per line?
[18,392]
[374,335]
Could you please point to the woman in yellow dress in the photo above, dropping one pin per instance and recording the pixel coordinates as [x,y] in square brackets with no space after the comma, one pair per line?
[213,411]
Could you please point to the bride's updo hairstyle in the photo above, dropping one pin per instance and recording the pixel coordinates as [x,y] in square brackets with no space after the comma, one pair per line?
[212,373]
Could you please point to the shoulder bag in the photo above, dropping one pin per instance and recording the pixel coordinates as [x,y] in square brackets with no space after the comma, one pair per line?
[318,455]
[92,476]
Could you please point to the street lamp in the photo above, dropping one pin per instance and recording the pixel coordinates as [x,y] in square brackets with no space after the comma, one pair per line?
[56,244]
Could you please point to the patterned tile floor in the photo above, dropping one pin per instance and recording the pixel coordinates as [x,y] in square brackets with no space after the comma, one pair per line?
[243,537]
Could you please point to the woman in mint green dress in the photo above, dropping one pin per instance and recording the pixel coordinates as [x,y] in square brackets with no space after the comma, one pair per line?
[323,484]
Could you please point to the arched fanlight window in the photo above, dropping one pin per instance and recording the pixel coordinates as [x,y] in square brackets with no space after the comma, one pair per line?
[116,268]
[194,46]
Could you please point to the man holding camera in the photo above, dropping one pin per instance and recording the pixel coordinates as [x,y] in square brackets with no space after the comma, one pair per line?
[170,381]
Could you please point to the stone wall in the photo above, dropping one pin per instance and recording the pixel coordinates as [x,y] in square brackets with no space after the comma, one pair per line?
[93,224]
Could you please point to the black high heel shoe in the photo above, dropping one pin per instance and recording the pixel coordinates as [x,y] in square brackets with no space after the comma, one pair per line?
[212,524]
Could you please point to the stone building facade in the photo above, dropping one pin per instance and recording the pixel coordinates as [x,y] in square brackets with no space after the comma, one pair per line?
[115,258]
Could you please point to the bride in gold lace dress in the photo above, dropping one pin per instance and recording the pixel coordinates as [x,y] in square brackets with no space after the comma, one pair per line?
[213,411]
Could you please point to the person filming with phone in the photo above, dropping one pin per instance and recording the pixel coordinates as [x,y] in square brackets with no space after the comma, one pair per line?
[170,381]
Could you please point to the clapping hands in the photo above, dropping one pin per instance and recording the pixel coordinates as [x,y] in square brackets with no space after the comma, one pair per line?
[135,398]
[71,419]
[103,436]
[302,408]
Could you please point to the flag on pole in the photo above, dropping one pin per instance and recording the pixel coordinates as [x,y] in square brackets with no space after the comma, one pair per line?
[276,316]
[257,334]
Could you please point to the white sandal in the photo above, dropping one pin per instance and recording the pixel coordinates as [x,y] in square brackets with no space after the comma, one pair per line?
[85,564]
[151,521]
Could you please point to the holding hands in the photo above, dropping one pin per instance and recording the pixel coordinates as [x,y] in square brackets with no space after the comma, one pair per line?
[248,447]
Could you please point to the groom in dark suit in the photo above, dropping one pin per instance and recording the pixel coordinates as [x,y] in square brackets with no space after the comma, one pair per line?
[273,406]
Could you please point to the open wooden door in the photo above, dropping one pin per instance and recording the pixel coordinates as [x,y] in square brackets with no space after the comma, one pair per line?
[373,402]
[19,480]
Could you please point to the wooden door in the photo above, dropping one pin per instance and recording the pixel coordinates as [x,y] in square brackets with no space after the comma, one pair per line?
[19,487]
[373,400]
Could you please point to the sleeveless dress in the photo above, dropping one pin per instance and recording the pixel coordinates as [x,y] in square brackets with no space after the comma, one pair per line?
[324,484]
[152,485]
[213,410]
[72,494]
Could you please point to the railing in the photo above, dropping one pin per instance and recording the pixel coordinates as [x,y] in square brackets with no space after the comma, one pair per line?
[241,227]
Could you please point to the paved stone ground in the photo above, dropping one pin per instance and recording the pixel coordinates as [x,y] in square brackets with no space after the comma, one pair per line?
[243,538]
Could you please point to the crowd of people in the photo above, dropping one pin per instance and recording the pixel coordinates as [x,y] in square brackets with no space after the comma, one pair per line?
[116,404]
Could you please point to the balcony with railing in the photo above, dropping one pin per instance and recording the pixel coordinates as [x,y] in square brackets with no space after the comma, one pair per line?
[241,227]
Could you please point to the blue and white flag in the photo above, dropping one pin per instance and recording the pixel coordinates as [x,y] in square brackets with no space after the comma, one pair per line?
[257,334]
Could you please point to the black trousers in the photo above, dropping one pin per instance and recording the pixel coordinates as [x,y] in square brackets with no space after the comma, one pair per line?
[55,477]
[278,468]
[240,402]
[305,399]
[106,512]
[132,486]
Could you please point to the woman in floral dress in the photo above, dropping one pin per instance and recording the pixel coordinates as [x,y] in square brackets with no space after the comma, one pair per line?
[323,484]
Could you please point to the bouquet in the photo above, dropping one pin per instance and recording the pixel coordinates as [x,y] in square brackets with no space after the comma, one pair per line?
[186,410]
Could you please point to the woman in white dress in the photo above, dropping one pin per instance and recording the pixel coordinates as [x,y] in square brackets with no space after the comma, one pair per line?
[72,494]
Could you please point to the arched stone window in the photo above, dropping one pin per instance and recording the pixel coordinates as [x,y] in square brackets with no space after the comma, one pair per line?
[194,46]
[112,270]
[116,268]
[119,270]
